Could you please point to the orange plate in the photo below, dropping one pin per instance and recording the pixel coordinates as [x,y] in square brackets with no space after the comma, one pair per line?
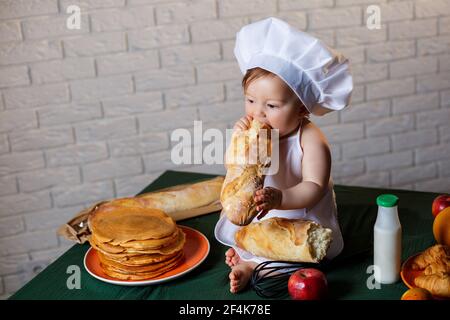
[196,249]
[408,274]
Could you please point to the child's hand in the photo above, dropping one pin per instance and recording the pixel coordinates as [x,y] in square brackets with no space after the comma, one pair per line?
[267,199]
[243,123]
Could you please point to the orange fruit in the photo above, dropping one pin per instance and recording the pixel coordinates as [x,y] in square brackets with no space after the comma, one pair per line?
[441,227]
[417,294]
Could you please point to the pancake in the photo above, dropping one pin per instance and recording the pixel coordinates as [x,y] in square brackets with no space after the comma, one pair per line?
[121,252]
[105,247]
[174,247]
[136,245]
[151,243]
[117,224]
[134,242]
[118,267]
[139,260]
[134,277]
[99,247]
[114,273]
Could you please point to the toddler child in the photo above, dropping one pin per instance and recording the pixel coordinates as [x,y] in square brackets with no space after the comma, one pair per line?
[288,76]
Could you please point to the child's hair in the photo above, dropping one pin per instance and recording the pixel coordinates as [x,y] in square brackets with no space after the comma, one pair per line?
[255,73]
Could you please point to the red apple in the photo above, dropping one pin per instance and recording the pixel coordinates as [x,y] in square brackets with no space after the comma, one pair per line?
[440,203]
[307,284]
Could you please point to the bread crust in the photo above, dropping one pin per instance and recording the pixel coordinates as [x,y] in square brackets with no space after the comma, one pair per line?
[245,160]
[285,239]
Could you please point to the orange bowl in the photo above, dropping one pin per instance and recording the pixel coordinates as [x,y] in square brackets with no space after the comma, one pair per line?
[408,274]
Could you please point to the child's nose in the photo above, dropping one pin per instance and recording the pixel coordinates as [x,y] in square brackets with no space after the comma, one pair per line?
[259,112]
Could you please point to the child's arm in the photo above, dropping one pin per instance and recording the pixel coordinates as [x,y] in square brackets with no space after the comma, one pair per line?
[316,167]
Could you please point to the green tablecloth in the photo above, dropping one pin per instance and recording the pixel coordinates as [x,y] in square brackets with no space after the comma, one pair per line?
[347,276]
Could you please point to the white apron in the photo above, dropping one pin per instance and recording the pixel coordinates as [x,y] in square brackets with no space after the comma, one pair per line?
[288,175]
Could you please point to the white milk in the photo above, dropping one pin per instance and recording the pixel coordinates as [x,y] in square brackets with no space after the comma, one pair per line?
[387,241]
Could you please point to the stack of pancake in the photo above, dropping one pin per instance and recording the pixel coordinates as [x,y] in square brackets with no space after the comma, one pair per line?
[134,242]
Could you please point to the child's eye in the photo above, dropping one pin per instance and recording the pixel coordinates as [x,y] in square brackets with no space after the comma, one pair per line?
[271,106]
[249,100]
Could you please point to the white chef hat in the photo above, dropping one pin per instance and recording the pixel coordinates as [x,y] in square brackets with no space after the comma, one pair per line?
[319,75]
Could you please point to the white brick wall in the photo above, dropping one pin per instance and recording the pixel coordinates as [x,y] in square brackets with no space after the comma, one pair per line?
[61,70]
[28,51]
[86,115]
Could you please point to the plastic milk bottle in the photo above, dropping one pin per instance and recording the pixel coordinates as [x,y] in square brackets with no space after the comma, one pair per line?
[387,240]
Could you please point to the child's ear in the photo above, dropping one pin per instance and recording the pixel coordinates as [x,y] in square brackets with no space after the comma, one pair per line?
[302,111]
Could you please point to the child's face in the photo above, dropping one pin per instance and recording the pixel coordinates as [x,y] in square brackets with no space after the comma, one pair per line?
[269,100]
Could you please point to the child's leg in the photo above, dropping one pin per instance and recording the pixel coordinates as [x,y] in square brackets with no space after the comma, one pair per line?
[231,257]
[241,271]
[240,275]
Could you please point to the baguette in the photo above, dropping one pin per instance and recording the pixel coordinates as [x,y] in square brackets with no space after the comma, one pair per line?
[246,158]
[237,193]
[293,240]
[179,202]
[183,197]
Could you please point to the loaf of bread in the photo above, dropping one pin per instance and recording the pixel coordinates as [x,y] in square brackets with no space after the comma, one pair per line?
[246,158]
[284,239]
[176,200]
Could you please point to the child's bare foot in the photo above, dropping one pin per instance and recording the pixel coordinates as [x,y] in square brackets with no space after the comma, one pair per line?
[231,258]
[240,275]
